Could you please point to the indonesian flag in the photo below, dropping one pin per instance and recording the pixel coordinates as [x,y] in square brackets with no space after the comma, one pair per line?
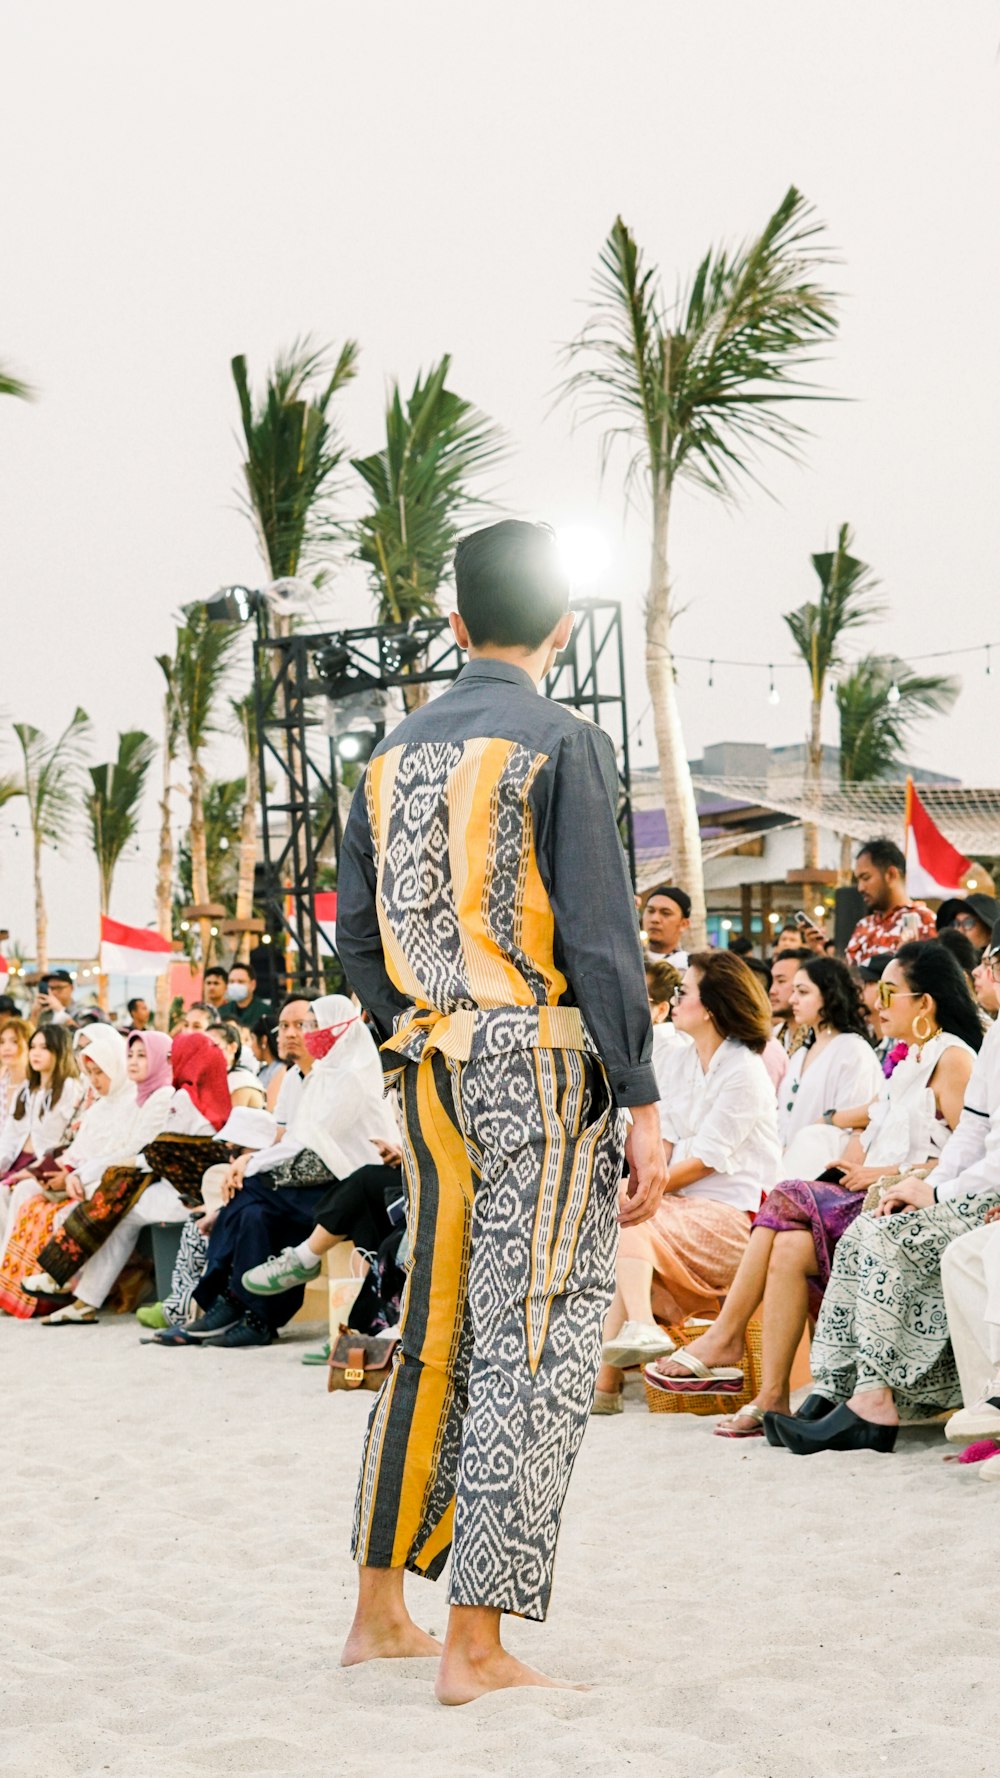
[325,911]
[133,950]
[4,966]
[933,866]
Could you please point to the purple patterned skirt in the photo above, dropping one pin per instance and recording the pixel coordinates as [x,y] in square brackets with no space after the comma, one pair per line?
[816,1208]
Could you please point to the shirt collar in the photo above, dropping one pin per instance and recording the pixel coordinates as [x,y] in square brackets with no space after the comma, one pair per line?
[505,671]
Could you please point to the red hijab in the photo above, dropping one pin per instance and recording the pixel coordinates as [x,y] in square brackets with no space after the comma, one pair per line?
[200,1068]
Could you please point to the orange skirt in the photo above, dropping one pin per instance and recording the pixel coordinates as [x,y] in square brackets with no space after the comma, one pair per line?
[695,1246]
[33,1228]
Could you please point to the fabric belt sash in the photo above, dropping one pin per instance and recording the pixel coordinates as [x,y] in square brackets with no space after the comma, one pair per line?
[471,1032]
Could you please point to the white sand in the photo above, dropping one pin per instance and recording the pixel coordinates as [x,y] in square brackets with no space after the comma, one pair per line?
[176,1588]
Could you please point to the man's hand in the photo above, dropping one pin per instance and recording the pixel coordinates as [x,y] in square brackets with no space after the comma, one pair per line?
[647,1166]
[992,1214]
[233,1181]
[204,1221]
[390,1152]
[73,1187]
[909,1194]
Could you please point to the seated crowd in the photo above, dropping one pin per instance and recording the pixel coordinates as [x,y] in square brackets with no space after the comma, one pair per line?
[832,1134]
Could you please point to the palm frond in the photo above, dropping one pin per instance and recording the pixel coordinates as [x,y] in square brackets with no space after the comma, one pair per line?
[114,801]
[293,451]
[203,657]
[51,779]
[699,392]
[437,443]
[848,598]
[11,385]
[874,729]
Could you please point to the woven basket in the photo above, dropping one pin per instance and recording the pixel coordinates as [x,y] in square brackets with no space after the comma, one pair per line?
[662,1401]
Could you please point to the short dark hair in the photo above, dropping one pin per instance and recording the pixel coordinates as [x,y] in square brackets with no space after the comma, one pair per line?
[8,1006]
[735,997]
[215,969]
[292,1000]
[792,953]
[741,946]
[661,980]
[245,966]
[229,1032]
[883,853]
[512,587]
[138,1001]
[963,950]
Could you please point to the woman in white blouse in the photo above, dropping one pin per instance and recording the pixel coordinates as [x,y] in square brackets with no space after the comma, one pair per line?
[788,1260]
[40,1115]
[719,1124]
[834,1069]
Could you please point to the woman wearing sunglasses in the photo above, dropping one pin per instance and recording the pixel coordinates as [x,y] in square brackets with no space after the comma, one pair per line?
[924,1004]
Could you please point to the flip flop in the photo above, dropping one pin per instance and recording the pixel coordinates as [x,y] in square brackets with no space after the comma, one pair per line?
[720,1380]
[729,1429]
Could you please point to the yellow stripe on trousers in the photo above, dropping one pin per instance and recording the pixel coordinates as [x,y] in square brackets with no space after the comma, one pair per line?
[403,1448]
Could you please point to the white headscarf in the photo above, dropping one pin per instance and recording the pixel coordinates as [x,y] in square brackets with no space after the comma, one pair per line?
[106,1125]
[343,1105]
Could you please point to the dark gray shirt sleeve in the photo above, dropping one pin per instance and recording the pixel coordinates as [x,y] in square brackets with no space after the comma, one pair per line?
[583,867]
[359,942]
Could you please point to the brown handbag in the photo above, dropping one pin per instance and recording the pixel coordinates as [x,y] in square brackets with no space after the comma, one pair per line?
[359,1361]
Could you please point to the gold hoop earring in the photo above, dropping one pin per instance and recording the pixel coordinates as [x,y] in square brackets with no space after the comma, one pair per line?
[925,1036]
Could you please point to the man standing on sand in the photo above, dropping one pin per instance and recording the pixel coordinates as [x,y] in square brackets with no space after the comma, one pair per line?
[486,920]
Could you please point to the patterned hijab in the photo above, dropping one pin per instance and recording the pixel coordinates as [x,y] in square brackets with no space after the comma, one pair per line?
[199,1066]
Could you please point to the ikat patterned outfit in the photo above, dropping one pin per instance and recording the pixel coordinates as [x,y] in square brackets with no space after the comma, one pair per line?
[486,920]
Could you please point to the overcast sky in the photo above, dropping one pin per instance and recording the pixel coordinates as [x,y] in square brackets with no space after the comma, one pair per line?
[182,184]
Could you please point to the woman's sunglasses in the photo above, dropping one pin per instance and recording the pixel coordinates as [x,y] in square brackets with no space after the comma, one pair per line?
[888,992]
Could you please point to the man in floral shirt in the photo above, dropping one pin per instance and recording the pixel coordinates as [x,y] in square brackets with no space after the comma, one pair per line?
[893,919]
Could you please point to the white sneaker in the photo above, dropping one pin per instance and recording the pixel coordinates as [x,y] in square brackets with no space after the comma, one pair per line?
[982,1420]
[636,1343]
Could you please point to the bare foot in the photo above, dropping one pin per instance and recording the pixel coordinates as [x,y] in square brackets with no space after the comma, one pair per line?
[461,1678]
[710,1349]
[399,1639]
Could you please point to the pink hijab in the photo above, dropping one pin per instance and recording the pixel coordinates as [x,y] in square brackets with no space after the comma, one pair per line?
[158,1056]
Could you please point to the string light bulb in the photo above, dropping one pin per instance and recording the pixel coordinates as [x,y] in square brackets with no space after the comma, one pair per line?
[772,690]
[893,694]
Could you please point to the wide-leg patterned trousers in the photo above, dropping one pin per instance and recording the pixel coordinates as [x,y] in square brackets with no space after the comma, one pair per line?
[512,1166]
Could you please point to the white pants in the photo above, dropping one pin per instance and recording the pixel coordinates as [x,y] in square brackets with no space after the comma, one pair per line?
[159,1203]
[970,1273]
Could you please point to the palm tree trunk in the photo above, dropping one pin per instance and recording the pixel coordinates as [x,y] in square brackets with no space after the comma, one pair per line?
[199,855]
[165,875]
[686,866]
[41,915]
[105,900]
[248,842]
[814,774]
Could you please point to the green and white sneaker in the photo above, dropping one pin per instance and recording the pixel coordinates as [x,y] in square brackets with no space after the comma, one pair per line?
[283,1272]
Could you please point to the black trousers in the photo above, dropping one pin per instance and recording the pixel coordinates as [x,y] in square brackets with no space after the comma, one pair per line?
[256,1223]
[355,1207]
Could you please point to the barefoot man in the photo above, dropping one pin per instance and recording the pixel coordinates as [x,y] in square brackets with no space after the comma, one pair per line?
[486,920]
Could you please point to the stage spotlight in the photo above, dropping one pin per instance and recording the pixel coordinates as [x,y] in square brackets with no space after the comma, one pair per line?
[357,746]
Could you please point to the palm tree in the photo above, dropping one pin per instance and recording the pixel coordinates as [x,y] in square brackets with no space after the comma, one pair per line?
[879,702]
[245,711]
[223,806]
[293,452]
[436,443]
[51,782]
[113,804]
[696,391]
[847,599]
[202,659]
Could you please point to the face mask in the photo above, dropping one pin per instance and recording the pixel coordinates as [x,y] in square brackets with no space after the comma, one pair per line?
[241,993]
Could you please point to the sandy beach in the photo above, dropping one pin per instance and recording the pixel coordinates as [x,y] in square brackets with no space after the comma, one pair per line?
[177,1586]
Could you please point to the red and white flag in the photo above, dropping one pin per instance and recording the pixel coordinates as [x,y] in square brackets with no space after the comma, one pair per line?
[133,950]
[325,911]
[933,865]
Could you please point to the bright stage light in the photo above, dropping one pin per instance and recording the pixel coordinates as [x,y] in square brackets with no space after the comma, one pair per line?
[585,554]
